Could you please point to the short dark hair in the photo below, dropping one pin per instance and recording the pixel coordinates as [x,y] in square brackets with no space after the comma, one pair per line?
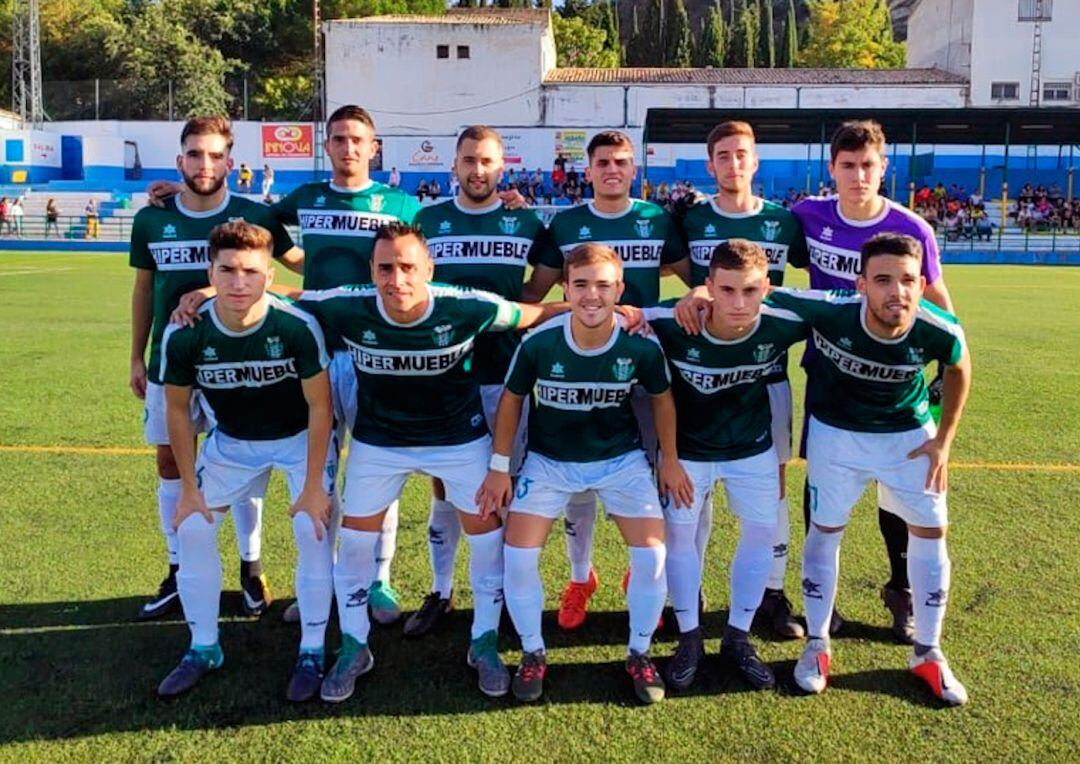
[478,133]
[608,138]
[350,111]
[738,255]
[208,125]
[242,235]
[396,229]
[898,244]
[726,130]
[856,135]
[590,253]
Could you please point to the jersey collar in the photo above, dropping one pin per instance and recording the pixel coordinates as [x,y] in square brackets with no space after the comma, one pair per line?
[876,220]
[477,210]
[202,213]
[744,338]
[342,190]
[229,332]
[423,317]
[568,335]
[610,215]
[759,205]
[863,307]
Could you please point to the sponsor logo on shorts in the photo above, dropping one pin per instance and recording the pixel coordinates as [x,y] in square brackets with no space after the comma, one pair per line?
[523,487]
[862,368]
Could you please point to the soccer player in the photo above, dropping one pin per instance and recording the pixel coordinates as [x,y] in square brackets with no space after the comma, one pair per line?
[835,230]
[169,252]
[579,371]
[261,363]
[647,242]
[721,387]
[476,242]
[418,409]
[870,420]
[736,213]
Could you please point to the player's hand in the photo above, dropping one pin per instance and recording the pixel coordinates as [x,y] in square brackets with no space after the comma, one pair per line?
[315,503]
[633,319]
[189,504]
[494,493]
[692,311]
[512,199]
[937,475]
[673,481]
[160,190]
[187,309]
[137,378]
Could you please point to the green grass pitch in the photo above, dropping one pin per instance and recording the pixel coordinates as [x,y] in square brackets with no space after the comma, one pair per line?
[80,549]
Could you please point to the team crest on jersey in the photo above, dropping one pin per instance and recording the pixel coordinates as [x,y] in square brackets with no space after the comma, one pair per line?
[168,232]
[509,225]
[915,355]
[623,368]
[693,354]
[770,229]
[557,370]
[274,348]
[442,334]
[376,202]
[763,351]
[584,232]
[444,227]
[845,342]
[209,354]
[368,338]
[320,201]
[644,228]
[710,230]
[826,233]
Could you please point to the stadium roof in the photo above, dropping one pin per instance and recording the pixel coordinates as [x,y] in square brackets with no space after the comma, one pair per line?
[854,77]
[969,127]
[494,16]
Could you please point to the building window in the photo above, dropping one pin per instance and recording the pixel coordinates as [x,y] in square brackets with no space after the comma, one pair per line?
[1035,10]
[442,51]
[463,51]
[1005,91]
[1057,91]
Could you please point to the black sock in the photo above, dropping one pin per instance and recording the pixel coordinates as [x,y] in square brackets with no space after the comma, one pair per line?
[172,570]
[894,531]
[806,505]
[731,634]
[252,569]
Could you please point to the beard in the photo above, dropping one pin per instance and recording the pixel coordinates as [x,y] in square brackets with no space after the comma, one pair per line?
[214,187]
[489,190]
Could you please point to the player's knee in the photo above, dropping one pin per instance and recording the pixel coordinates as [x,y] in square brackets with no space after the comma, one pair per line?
[369,524]
[166,463]
[927,533]
[758,533]
[474,525]
[682,538]
[828,529]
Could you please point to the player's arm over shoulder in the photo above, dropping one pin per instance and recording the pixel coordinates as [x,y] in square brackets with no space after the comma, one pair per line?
[949,340]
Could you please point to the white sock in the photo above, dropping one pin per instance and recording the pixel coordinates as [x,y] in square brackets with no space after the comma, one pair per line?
[354,573]
[749,572]
[781,541]
[168,493]
[524,594]
[683,573]
[930,572]
[387,544]
[444,533]
[486,579]
[646,594]
[821,570]
[580,527]
[247,522]
[199,577]
[314,582]
[704,530]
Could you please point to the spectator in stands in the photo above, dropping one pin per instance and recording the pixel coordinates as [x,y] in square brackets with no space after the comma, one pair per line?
[1055,192]
[422,189]
[558,176]
[395,178]
[52,218]
[15,214]
[939,192]
[984,226]
[952,225]
[435,188]
[975,199]
[91,213]
[560,163]
[663,194]
[572,177]
[1027,194]
[4,224]
[244,179]
[267,182]
[455,186]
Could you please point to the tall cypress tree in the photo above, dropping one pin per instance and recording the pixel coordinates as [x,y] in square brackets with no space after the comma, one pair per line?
[679,52]
[790,48]
[744,41]
[710,51]
[767,45]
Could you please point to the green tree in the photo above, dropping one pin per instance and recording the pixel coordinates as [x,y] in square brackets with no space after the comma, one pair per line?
[744,41]
[850,34]
[581,44]
[678,52]
[789,51]
[710,51]
[767,36]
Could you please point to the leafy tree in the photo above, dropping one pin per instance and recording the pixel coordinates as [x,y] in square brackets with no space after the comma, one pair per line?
[580,44]
[850,34]
[744,42]
[790,49]
[767,36]
[678,52]
[710,52]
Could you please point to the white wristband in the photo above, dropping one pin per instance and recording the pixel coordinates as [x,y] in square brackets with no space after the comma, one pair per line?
[499,463]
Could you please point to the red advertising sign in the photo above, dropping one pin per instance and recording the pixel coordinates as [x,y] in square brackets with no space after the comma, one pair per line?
[287,142]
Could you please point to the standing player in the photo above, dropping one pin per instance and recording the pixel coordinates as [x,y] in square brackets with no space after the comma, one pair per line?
[835,230]
[579,371]
[735,213]
[261,364]
[647,243]
[169,253]
[418,410]
[870,420]
[478,243]
[721,386]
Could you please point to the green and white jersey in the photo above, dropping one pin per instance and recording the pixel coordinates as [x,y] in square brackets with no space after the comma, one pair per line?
[580,399]
[416,383]
[721,386]
[769,225]
[644,236]
[173,242]
[856,381]
[338,225]
[251,379]
[486,249]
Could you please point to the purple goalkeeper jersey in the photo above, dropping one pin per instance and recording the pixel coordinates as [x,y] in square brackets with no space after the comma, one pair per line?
[834,242]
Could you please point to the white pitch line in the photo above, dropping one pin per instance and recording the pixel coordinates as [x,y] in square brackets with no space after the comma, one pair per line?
[30,271]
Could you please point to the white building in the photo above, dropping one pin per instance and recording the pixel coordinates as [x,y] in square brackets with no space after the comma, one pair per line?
[1013,52]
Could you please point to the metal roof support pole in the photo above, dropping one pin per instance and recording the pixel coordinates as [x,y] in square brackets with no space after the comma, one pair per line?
[821,158]
[911,162]
[982,172]
[1005,181]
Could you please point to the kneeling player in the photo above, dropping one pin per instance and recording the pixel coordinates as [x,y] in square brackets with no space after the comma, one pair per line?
[261,363]
[580,370]
[870,420]
[721,393]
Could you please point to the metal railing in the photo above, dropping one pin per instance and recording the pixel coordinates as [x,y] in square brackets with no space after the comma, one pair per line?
[38,227]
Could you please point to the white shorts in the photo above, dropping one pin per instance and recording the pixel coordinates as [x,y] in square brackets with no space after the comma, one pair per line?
[343,387]
[155,424]
[489,397]
[624,485]
[229,469]
[641,403]
[780,406]
[752,486]
[375,475]
[840,463]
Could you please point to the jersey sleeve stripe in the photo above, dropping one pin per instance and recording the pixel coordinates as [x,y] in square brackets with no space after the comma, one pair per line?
[312,326]
[941,322]
[318,295]
[787,315]
[170,330]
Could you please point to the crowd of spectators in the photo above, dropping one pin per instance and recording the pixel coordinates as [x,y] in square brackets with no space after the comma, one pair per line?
[1042,208]
[960,214]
